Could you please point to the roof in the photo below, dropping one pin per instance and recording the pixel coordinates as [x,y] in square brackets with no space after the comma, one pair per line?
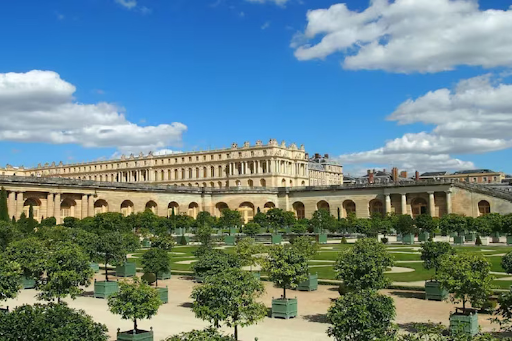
[474,171]
[433,173]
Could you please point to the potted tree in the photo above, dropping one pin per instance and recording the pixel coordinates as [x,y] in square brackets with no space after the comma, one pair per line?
[135,301]
[431,254]
[164,242]
[251,229]
[157,261]
[10,280]
[467,277]
[454,223]
[507,227]
[426,226]
[405,227]
[276,220]
[233,220]
[30,254]
[246,248]
[287,268]
[495,221]
[229,297]
[111,249]
[89,243]
[322,221]
[483,229]
[213,261]
[125,268]
[308,248]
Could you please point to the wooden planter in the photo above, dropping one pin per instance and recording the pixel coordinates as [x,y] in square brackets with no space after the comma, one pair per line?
[28,283]
[142,335]
[321,238]
[408,239]
[164,275]
[229,240]
[103,289]
[232,231]
[163,293]
[458,240]
[399,238]
[284,307]
[126,270]
[277,239]
[464,322]
[146,243]
[485,240]
[199,279]
[257,275]
[423,236]
[470,237]
[434,291]
[311,284]
[495,237]
[509,239]
[94,266]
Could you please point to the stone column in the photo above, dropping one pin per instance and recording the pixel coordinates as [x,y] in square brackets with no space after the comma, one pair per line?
[11,204]
[431,204]
[19,204]
[269,163]
[449,202]
[49,205]
[230,168]
[387,199]
[56,208]
[84,206]
[404,204]
[90,211]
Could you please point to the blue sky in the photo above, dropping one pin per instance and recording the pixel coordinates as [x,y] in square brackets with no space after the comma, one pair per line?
[335,80]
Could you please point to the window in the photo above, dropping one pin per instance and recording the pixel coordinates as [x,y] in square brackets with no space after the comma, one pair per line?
[197,158]
[190,159]
[474,179]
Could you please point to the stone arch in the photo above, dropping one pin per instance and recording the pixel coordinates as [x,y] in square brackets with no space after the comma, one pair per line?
[299,209]
[220,184]
[484,207]
[219,207]
[173,205]
[152,206]
[67,208]
[283,183]
[36,207]
[376,207]
[126,208]
[303,183]
[246,209]
[204,184]
[349,207]
[100,206]
[291,183]
[250,183]
[193,209]
[263,183]
[268,206]
[212,184]
[419,206]
[323,205]
[238,183]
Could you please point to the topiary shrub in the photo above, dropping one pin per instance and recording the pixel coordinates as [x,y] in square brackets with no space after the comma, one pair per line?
[183,240]
[149,278]
[342,289]
[384,240]
[343,240]
[478,241]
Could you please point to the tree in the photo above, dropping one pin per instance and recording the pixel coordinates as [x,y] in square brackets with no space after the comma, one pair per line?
[299,227]
[404,224]
[87,241]
[10,279]
[230,297]
[360,225]
[134,301]
[230,218]
[433,252]
[67,268]
[30,254]
[363,266]
[480,225]
[467,277]
[305,245]
[505,311]
[209,334]
[110,222]
[246,248]
[453,223]
[251,229]
[495,221]
[48,222]
[204,235]
[156,261]
[31,222]
[204,218]
[323,220]
[71,222]
[111,249]
[4,212]
[362,316]
[506,222]
[214,261]
[42,322]
[275,219]
[425,223]
[506,262]
[7,234]
[165,242]
[286,267]
[260,218]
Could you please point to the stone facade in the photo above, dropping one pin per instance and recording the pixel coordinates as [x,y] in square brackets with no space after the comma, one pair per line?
[83,198]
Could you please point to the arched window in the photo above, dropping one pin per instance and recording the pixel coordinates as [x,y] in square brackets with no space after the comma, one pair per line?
[36,207]
[100,206]
[173,206]
[247,211]
[219,207]
[126,208]
[193,209]
[263,183]
[283,183]
[349,207]
[250,183]
[419,206]
[323,205]
[269,205]
[376,207]
[67,208]
[300,210]
[152,206]
[484,207]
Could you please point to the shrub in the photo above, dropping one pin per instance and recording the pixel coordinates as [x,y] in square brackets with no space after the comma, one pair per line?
[506,263]
[384,240]
[183,240]
[478,241]
[149,278]
[343,240]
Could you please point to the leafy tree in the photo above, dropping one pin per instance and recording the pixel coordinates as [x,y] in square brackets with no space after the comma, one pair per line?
[30,254]
[230,297]
[204,218]
[380,223]
[506,262]
[204,234]
[214,261]
[111,249]
[467,277]
[286,267]
[50,236]
[230,219]
[425,223]
[362,316]
[360,225]
[110,222]
[31,222]
[156,261]
[495,221]
[87,224]
[305,245]
[10,279]
[209,334]
[299,227]
[246,248]
[251,229]
[71,222]
[134,301]
[323,221]
[433,252]
[289,218]
[480,225]
[87,241]
[49,222]
[42,322]
[505,311]
[67,268]
[363,266]
[404,224]
[275,219]
[4,212]
[453,223]
[260,218]
[506,222]
[165,242]
[7,234]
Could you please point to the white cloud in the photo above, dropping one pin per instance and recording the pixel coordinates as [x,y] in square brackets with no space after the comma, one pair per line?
[281,3]
[167,152]
[409,35]
[38,106]
[473,118]
[129,4]
[265,25]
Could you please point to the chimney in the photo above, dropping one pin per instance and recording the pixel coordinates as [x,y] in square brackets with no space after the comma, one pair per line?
[417,176]
[384,170]
[326,156]
[371,178]
[368,172]
[394,174]
[317,156]
[403,174]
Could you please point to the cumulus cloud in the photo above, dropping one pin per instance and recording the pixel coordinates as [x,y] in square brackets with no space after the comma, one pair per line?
[38,106]
[277,2]
[473,118]
[129,4]
[409,35]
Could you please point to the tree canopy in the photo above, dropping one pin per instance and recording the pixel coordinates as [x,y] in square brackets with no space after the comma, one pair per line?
[323,221]
[209,334]
[156,261]
[433,252]
[30,254]
[214,261]
[10,279]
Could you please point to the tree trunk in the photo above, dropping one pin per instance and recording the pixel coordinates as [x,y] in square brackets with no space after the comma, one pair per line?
[106,271]
[135,326]
[236,332]
[156,282]
[284,291]
[464,305]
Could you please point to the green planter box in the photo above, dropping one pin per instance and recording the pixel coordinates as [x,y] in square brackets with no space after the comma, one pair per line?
[126,270]
[453,234]
[277,239]
[311,284]
[423,236]
[229,240]
[509,240]
[4,310]
[495,237]
[142,335]
[199,279]
[28,283]
[459,240]
[163,293]
[164,275]
[284,308]
[257,275]
[146,243]
[408,239]
[470,237]
[321,238]
[464,323]
[94,266]
[103,289]
[232,231]
[434,291]
[399,238]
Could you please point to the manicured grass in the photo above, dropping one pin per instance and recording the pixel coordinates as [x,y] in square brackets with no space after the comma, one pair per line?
[405,257]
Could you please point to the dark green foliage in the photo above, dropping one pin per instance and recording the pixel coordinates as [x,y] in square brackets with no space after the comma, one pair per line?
[49,222]
[404,224]
[111,249]
[10,278]
[251,229]
[343,240]
[384,240]
[275,219]
[230,297]
[426,223]
[495,221]
[299,228]
[230,219]
[433,252]
[204,235]
[88,242]
[52,235]
[7,234]
[480,225]
[164,242]
[453,223]
[149,278]
[31,222]
[245,249]
[4,213]
[305,245]
[87,224]
[71,222]
[505,311]
[506,262]
[156,261]
[110,222]
[478,241]
[30,254]
[260,219]
[183,240]
[44,322]
[379,224]
[209,334]
[323,221]
[214,261]
[363,266]
[361,225]
[362,316]
[507,224]
[204,219]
